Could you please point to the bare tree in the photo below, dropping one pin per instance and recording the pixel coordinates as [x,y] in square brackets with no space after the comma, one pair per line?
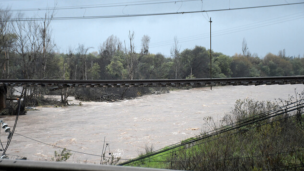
[72,63]
[45,33]
[111,46]
[131,38]
[175,53]
[145,44]
[64,91]
[82,52]
[131,60]
[28,45]
[6,40]
[33,43]
[282,53]
[5,17]
[245,48]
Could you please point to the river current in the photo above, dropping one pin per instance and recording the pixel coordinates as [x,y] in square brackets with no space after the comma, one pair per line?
[129,125]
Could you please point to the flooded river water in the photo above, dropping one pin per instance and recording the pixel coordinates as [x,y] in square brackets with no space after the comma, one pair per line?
[129,125]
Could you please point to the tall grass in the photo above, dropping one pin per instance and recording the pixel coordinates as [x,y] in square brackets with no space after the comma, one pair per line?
[256,142]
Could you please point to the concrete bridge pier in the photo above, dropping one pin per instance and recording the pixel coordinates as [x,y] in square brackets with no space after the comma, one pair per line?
[3,91]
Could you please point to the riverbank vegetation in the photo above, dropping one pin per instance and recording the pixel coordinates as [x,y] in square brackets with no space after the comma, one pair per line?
[254,136]
[28,51]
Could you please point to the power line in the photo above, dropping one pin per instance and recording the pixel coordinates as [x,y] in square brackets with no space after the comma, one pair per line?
[236,158]
[104,5]
[231,30]
[153,14]
[210,136]
[237,27]
[197,144]
[166,151]
[96,155]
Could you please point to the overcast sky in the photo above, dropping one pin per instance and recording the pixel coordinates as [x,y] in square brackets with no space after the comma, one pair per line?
[265,29]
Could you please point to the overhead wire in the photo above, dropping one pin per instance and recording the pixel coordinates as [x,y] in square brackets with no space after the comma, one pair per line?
[182,12]
[263,23]
[254,126]
[105,5]
[90,154]
[202,6]
[213,139]
[221,34]
[152,14]
[236,29]
[228,134]
[235,158]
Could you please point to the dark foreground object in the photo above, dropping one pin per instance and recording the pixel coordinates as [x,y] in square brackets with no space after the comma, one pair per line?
[8,165]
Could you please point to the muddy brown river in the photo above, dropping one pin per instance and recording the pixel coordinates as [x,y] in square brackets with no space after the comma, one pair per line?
[129,125]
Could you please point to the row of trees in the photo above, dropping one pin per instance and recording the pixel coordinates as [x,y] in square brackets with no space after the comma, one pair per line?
[27,52]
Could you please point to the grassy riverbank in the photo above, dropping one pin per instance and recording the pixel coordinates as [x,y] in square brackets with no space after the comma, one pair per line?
[254,136]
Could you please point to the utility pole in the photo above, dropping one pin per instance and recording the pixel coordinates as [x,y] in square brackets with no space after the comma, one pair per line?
[210,72]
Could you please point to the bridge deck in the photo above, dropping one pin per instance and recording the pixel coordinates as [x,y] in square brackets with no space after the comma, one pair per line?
[156,82]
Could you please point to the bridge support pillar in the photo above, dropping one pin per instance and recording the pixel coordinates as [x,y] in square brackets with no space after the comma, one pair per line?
[3,91]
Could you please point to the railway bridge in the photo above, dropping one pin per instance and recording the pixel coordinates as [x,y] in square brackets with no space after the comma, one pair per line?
[155,82]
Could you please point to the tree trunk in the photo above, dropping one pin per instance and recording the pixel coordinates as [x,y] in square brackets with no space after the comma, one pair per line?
[62,91]
[175,72]
[85,69]
[44,57]
[63,77]
[91,68]
[7,68]
[76,73]
[61,95]
[4,66]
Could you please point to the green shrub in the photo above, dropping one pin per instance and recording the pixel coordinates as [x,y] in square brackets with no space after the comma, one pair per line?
[64,155]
